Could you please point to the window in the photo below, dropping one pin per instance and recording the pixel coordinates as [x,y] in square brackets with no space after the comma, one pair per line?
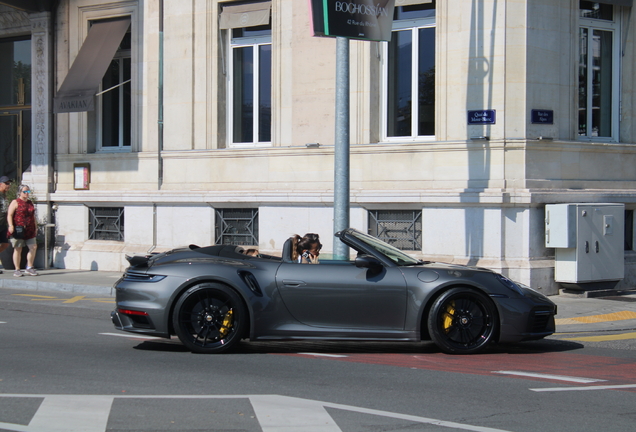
[598,71]
[114,101]
[250,76]
[106,223]
[629,230]
[15,103]
[409,71]
[236,226]
[399,228]
[15,72]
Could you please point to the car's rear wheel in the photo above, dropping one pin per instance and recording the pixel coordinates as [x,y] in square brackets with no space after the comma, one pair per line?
[462,321]
[209,318]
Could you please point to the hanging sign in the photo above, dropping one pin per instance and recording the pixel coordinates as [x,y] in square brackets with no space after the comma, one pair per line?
[355,19]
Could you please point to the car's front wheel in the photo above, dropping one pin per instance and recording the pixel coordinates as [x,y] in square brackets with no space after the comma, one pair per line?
[209,318]
[462,321]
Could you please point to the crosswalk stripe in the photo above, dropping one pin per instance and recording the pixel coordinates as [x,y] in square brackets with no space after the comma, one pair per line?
[72,414]
[275,413]
[279,413]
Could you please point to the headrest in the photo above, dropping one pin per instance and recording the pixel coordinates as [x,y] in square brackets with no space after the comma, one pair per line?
[287,250]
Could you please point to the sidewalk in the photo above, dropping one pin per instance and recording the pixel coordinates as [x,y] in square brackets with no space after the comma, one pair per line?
[575,314]
[73,281]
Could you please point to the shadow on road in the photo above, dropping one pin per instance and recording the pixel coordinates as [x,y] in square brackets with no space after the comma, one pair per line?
[347,347]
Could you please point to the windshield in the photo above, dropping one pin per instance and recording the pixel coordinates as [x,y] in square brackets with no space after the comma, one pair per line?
[393,253]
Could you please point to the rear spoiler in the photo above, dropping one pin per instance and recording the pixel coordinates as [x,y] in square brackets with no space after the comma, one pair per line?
[138,260]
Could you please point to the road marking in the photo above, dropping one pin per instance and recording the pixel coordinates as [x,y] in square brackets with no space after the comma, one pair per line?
[609,387]
[275,413]
[3,322]
[72,413]
[615,316]
[622,336]
[323,355]
[552,377]
[74,299]
[130,336]
[70,300]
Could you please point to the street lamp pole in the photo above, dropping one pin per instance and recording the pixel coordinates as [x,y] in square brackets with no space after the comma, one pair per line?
[341,152]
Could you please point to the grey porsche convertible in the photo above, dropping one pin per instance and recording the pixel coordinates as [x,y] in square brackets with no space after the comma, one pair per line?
[212,297]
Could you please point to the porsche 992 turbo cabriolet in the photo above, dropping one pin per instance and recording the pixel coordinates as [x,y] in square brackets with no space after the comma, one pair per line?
[212,297]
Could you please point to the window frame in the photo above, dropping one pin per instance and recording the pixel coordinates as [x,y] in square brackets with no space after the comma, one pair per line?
[254,42]
[414,25]
[614,27]
[120,57]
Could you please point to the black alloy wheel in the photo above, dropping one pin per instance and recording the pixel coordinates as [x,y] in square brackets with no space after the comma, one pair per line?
[462,321]
[209,318]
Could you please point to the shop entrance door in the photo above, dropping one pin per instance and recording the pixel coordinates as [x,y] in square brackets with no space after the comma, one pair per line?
[15,143]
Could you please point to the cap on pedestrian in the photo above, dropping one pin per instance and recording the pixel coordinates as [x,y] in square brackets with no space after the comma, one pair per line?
[5,179]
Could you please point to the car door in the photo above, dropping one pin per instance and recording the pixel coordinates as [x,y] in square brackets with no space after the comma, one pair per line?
[341,295]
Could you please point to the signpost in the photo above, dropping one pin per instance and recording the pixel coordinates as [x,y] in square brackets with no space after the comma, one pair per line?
[347,19]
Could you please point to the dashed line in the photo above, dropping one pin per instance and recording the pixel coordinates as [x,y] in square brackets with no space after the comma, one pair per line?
[615,316]
[605,338]
[609,387]
[75,299]
[323,355]
[130,336]
[551,377]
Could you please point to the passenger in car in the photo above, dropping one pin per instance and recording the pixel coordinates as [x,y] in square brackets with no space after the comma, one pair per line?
[306,248]
[251,252]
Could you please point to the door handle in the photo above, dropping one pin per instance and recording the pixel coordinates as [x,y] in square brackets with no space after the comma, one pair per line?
[293,283]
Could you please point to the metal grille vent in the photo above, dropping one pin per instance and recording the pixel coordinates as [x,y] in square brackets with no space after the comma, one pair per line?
[106,223]
[400,228]
[237,226]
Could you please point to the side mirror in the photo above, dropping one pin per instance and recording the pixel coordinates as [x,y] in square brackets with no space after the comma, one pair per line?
[368,261]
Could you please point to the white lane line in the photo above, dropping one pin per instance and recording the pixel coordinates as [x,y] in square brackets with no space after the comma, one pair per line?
[416,419]
[280,413]
[131,336]
[323,355]
[3,322]
[608,387]
[552,377]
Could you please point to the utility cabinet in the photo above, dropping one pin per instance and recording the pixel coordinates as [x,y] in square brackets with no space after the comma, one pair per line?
[588,241]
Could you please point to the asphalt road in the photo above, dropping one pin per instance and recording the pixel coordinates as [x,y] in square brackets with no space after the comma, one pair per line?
[63,367]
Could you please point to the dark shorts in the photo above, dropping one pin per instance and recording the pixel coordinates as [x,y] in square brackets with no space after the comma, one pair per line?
[3,234]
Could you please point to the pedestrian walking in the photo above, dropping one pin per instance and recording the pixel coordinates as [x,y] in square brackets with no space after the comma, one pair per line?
[23,229]
[5,182]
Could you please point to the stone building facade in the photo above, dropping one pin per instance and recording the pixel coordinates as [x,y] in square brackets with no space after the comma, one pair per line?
[214,122]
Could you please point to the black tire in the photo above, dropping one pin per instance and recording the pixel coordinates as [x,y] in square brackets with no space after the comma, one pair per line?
[462,321]
[209,318]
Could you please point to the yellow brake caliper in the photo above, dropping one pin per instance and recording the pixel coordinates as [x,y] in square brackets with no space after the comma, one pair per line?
[227,323]
[447,322]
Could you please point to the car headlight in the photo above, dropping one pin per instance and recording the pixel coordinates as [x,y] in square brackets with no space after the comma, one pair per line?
[509,284]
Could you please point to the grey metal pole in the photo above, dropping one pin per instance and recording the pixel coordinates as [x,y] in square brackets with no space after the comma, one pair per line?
[341,152]
[160,102]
